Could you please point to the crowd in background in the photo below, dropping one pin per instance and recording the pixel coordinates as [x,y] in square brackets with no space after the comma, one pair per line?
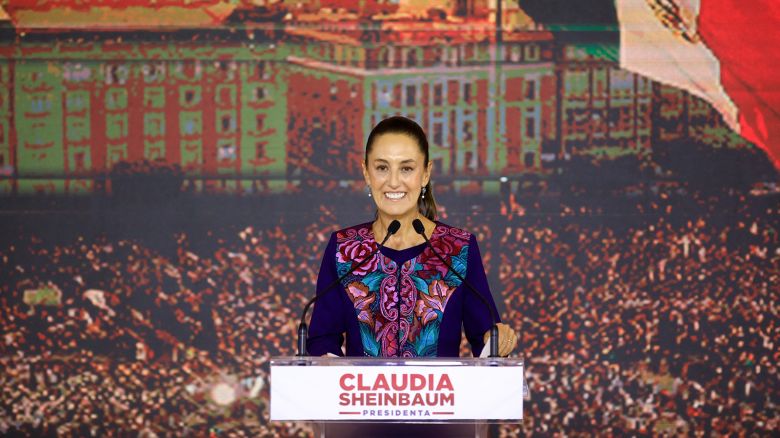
[657,317]
[663,325]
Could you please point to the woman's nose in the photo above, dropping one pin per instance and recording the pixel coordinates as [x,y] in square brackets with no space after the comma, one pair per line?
[395,178]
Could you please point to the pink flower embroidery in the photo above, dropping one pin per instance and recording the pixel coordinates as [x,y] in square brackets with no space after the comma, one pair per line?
[354,251]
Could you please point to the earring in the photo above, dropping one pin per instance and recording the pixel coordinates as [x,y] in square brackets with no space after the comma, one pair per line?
[422,195]
[368,190]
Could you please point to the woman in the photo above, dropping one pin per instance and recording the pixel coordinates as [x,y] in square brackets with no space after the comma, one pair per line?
[403,301]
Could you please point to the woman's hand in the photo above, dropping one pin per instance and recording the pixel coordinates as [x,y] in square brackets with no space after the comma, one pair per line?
[507,339]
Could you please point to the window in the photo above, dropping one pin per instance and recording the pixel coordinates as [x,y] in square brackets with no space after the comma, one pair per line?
[76,72]
[116,99]
[385,97]
[411,57]
[575,83]
[411,95]
[190,122]
[262,70]
[514,53]
[532,52]
[116,74]
[529,159]
[259,122]
[439,55]
[77,128]
[226,152]
[454,55]
[75,101]
[227,123]
[615,117]
[530,89]
[438,166]
[438,91]
[470,164]
[116,126]
[260,93]
[467,92]
[154,124]
[468,134]
[438,134]
[154,97]
[153,72]
[154,150]
[530,127]
[189,96]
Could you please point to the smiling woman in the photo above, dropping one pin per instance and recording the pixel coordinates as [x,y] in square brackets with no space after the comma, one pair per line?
[403,297]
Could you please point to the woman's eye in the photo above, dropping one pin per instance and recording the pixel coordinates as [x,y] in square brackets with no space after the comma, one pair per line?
[381,168]
[407,169]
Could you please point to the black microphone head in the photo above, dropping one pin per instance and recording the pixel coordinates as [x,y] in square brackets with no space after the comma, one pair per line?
[418,226]
[394,227]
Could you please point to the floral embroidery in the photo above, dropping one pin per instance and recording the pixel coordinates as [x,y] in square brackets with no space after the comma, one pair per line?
[356,250]
[399,309]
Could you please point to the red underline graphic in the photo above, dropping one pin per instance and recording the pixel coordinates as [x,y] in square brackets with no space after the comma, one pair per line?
[349,413]
[443,413]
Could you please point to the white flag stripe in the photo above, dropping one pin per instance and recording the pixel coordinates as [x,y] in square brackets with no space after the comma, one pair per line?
[647,47]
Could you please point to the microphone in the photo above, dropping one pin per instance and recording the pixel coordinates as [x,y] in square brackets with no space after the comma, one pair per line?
[420,229]
[303,328]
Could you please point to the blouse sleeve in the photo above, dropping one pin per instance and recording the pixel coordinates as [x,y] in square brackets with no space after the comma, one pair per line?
[476,319]
[328,321]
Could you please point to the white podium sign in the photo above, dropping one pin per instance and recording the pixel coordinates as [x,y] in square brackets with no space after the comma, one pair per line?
[408,390]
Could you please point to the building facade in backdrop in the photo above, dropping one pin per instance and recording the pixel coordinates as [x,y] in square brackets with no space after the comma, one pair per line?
[486,110]
[264,97]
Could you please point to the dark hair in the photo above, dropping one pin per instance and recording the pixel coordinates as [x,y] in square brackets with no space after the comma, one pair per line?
[408,127]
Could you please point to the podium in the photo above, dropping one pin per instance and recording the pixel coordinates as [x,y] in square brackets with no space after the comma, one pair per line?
[430,397]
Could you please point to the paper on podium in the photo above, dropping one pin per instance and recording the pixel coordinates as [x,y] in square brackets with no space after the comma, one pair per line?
[486,349]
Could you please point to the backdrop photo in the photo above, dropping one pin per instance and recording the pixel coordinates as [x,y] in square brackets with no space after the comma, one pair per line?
[171,171]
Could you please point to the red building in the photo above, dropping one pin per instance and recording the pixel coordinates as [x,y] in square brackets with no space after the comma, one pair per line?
[486,108]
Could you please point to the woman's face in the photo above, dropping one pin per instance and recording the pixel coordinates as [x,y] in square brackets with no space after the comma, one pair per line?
[395,174]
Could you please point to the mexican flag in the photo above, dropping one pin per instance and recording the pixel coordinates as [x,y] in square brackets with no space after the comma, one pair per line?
[724,51]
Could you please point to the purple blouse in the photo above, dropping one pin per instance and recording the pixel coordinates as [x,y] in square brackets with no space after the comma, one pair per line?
[403,303]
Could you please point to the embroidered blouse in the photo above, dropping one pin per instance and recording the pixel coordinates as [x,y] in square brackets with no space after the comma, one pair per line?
[401,303]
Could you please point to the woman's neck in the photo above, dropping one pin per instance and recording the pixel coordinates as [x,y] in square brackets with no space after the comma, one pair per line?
[406,237]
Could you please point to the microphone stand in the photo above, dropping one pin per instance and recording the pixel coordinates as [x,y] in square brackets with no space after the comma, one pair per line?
[420,229]
[303,328]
